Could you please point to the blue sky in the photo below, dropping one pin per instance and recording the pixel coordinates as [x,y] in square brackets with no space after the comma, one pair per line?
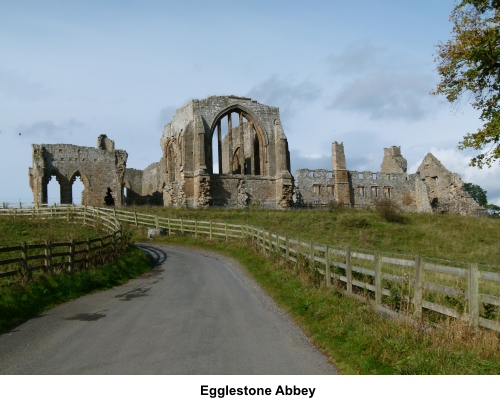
[359,72]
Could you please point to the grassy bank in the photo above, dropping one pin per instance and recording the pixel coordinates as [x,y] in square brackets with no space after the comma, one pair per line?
[25,229]
[354,337]
[20,302]
[449,237]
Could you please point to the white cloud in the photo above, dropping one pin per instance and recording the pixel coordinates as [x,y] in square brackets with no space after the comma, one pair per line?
[50,131]
[393,96]
[287,96]
[358,57]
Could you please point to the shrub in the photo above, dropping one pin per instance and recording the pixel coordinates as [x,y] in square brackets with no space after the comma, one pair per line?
[390,211]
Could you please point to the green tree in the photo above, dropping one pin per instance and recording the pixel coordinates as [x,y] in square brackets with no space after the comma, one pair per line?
[469,66]
[493,210]
[477,193]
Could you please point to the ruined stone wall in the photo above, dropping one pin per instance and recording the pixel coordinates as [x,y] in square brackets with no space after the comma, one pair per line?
[393,161]
[369,187]
[101,169]
[237,191]
[145,186]
[432,189]
[315,187]
[189,156]
[446,189]
[153,181]
[133,186]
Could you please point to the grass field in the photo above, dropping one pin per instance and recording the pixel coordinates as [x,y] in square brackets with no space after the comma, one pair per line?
[24,229]
[450,237]
[353,336]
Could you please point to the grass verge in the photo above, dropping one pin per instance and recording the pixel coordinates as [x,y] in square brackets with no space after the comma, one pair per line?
[350,333]
[35,230]
[448,237]
[20,302]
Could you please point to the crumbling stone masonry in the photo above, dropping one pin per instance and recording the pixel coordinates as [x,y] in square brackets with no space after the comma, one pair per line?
[101,170]
[432,189]
[221,151]
[226,151]
[232,151]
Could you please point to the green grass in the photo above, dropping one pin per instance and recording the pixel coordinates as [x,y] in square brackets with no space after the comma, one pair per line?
[31,231]
[19,302]
[355,338]
[450,237]
[350,333]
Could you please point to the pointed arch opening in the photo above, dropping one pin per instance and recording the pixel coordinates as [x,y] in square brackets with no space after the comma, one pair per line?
[237,144]
[52,190]
[79,188]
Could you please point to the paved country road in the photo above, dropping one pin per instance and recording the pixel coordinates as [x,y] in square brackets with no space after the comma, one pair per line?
[194,313]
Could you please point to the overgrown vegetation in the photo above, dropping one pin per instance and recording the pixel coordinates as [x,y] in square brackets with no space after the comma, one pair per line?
[354,337]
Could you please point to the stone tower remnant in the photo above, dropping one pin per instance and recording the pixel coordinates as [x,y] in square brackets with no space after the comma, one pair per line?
[432,189]
[231,151]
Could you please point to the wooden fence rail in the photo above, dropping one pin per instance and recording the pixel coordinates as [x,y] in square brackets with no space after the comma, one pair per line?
[69,255]
[415,286]
[412,285]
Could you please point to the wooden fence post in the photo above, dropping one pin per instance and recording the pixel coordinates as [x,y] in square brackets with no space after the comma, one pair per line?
[72,256]
[417,288]
[348,270]
[48,256]
[156,222]
[101,250]
[210,231]
[87,254]
[168,225]
[378,278]
[328,274]
[311,248]
[24,254]
[225,227]
[195,229]
[182,226]
[474,295]
[135,218]
[287,247]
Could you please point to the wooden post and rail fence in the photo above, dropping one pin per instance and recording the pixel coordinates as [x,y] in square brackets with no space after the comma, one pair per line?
[67,256]
[414,285]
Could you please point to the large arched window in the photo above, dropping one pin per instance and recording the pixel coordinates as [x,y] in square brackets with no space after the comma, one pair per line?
[78,184]
[236,145]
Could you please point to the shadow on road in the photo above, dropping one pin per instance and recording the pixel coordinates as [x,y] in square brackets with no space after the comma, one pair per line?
[156,255]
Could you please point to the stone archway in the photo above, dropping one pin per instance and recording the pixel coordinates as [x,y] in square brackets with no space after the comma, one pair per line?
[86,186]
[246,141]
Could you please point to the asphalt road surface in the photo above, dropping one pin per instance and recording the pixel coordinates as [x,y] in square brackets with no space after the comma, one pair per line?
[194,313]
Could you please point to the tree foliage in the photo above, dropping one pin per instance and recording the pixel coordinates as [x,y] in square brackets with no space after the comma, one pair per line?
[469,66]
[493,210]
[477,193]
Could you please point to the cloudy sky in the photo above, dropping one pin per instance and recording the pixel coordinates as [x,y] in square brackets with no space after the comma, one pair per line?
[358,72]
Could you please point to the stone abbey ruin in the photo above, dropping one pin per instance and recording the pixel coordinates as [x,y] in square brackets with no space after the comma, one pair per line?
[232,151]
